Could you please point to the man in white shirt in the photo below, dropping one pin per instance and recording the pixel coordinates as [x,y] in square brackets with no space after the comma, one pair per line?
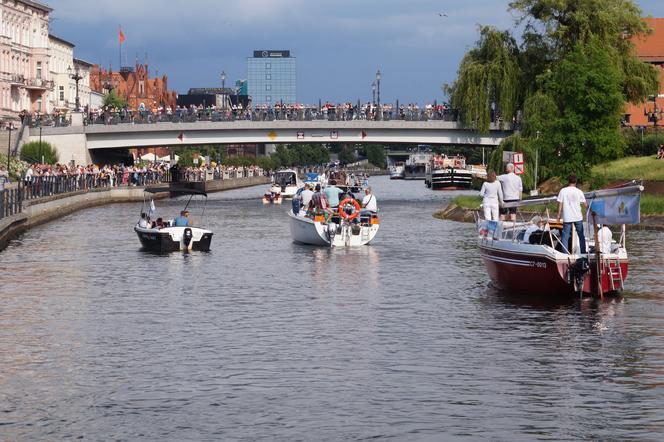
[306,196]
[512,188]
[369,201]
[570,200]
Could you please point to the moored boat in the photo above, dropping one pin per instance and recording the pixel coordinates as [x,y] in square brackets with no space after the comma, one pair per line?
[524,258]
[443,173]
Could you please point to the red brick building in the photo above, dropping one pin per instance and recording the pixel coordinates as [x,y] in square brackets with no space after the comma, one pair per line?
[649,49]
[134,85]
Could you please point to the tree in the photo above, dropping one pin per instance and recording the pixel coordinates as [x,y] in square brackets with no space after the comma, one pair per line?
[113,100]
[375,154]
[488,75]
[33,152]
[515,143]
[588,94]
[347,155]
[568,23]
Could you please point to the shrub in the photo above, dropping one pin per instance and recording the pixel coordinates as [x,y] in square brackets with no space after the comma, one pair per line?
[33,152]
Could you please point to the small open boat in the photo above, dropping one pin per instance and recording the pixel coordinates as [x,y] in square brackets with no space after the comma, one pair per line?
[347,228]
[272,198]
[163,237]
[523,258]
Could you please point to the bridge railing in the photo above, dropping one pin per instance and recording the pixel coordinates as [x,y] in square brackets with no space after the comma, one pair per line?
[259,115]
[11,202]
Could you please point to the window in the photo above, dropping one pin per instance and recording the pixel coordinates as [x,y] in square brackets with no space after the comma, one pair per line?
[39,70]
[268,87]
[268,65]
[268,98]
[62,93]
[268,76]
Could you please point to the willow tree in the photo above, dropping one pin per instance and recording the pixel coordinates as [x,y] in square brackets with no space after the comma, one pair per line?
[565,24]
[487,80]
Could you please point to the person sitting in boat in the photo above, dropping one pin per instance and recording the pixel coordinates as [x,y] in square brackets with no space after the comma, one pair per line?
[536,225]
[332,193]
[492,196]
[143,222]
[319,203]
[369,203]
[182,220]
[604,238]
[158,224]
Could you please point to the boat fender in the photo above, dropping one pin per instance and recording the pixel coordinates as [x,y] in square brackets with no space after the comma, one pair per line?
[187,237]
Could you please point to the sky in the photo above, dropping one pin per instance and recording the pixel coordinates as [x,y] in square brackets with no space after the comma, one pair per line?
[339,44]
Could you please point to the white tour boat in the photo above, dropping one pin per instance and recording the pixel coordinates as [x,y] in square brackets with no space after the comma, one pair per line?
[163,237]
[340,230]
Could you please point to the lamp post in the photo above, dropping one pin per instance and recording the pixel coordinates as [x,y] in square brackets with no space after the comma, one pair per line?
[655,115]
[373,92]
[9,144]
[41,157]
[76,76]
[378,93]
[223,86]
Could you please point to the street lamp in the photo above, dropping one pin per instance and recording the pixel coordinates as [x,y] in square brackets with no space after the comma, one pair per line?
[223,86]
[373,93]
[378,93]
[655,115]
[76,76]
[9,144]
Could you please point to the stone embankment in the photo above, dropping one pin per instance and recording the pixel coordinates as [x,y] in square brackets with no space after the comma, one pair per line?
[43,210]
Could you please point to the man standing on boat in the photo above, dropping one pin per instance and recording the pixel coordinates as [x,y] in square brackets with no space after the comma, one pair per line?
[512,188]
[570,200]
[369,201]
[332,193]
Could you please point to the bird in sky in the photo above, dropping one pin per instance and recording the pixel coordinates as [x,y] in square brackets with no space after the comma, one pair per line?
[442,14]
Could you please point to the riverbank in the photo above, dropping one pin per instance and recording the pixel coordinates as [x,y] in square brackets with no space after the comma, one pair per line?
[43,210]
[463,208]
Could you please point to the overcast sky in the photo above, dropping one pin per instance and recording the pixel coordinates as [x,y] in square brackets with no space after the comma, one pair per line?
[339,44]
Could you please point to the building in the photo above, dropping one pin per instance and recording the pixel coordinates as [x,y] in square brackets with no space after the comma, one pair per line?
[272,77]
[83,69]
[134,85]
[61,53]
[24,60]
[649,49]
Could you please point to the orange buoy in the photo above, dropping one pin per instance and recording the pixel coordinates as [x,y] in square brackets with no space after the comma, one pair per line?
[352,216]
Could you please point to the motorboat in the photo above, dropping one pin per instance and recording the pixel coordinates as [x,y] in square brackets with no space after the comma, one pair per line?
[272,198]
[163,237]
[285,182]
[348,182]
[445,173]
[347,228]
[397,171]
[520,257]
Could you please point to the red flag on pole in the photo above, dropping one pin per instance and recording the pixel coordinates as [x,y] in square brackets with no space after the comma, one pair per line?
[122,37]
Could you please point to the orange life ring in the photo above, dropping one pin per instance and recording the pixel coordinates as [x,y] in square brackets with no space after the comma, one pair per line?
[352,216]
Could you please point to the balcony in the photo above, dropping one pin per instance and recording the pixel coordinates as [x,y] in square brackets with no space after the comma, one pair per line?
[38,83]
[17,80]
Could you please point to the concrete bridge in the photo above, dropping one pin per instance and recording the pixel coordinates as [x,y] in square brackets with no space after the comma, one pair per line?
[83,143]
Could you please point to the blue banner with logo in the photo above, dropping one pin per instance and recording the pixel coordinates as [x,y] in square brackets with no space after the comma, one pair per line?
[617,209]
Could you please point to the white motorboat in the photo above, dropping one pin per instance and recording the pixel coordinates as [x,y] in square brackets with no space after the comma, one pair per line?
[397,171]
[163,237]
[285,182]
[340,231]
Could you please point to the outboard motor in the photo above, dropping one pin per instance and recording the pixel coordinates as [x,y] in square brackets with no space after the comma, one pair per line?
[187,237]
[577,273]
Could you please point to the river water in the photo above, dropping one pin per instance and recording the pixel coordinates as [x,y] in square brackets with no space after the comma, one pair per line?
[263,339]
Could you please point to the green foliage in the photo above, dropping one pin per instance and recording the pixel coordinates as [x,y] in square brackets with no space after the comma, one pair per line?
[375,154]
[113,100]
[565,24]
[639,142]
[489,74]
[301,154]
[652,205]
[347,155]
[33,152]
[516,143]
[587,91]
[466,202]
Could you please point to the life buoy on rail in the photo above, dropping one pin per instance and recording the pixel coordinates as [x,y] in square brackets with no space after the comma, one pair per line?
[349,216]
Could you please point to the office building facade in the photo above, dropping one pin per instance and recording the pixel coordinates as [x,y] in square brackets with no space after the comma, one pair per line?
[272,77]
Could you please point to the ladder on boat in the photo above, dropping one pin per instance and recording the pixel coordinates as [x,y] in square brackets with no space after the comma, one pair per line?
[615,274]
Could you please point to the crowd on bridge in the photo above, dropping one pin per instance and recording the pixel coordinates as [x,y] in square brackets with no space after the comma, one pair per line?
[328,111]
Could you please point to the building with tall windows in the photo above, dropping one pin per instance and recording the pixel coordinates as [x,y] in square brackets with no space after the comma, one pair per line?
[24,72]
[272,77]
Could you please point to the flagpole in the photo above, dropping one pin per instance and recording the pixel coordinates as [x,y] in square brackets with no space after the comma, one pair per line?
[120,40]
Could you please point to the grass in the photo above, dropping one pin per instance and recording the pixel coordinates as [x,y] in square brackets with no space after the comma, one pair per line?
[652,205]
[631,168]
[467,201]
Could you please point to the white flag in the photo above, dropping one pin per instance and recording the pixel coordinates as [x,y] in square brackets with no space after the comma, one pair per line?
[152,207]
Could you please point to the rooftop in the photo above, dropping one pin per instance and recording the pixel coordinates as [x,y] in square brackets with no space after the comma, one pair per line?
[650,48]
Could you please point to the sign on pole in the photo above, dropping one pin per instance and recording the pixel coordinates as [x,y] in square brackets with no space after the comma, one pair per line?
[517,157]
[519,168]
[300,135]
[334,134]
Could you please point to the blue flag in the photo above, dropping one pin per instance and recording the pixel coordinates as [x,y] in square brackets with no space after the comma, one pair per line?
[617,209]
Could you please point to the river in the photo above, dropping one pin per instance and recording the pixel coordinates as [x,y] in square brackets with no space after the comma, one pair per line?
[264,339]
